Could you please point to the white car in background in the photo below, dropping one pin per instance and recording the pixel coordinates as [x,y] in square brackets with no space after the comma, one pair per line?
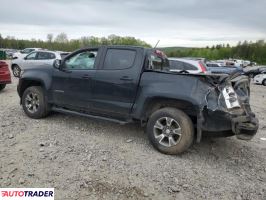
[260,78]
[36,58]
[23,53]
[187,65]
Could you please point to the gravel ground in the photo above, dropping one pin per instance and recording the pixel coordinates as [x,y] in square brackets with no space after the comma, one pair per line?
[87,159]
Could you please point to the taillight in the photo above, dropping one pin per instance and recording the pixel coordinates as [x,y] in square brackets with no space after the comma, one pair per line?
[202,67]
[3,66]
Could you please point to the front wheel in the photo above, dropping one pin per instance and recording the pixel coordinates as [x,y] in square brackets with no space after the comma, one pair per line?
[34,103]
[16,71]
[264,82]
[2,86]
[170,131]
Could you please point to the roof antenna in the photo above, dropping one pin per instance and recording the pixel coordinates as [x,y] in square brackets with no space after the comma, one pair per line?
[156,44]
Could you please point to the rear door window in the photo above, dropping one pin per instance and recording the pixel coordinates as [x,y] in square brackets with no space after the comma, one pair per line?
[45,56]
[119,59]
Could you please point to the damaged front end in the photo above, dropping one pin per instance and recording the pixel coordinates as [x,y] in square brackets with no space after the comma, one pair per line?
[226,107]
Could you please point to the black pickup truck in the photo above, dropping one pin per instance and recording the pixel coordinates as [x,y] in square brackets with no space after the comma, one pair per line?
[133,84]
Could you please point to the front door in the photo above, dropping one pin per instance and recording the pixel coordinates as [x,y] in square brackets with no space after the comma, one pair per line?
[29,61]
[73,83]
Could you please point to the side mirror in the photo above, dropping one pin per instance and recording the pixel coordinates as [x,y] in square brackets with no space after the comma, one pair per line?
[57,64]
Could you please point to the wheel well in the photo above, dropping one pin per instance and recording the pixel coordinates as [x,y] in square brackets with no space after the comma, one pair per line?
[28,83]
[159,103]
[13,65]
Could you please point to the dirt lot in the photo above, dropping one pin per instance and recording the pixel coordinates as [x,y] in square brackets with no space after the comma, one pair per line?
[87,159]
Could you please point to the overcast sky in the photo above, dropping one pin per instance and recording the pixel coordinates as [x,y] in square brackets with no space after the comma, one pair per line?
[174,22]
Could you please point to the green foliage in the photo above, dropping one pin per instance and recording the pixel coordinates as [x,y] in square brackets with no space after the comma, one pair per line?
[253,51]
[62,43]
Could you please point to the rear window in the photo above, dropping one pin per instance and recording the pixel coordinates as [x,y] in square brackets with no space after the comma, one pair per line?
[119,59]
[158,61]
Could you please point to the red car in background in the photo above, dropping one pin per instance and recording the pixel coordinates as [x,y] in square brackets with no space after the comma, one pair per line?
[5,77]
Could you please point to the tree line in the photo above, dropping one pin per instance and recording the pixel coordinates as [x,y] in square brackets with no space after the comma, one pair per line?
[253,51]
[62,43]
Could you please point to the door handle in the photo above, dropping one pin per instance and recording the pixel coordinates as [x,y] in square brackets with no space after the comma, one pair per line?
[86,76]
[126,78]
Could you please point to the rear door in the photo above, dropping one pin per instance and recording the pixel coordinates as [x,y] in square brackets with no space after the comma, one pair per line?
[116,81]
[45,58]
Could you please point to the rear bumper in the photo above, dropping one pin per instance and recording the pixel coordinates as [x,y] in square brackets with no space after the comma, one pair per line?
[5,79]
[245,127]
[5,76]
[242,123]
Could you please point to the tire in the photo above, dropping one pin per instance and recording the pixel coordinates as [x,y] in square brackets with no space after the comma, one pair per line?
[2,86]
[34,103]
[16,71]
[264,82]
[182,125]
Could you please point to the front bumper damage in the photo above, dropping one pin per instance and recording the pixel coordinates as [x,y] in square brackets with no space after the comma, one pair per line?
[221,115]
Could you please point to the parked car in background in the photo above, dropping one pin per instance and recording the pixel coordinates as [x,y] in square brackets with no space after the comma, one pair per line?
[5,77]
[260,78]
[24,52]
[10,52]
[36,58]
[217,68]
[186,65]
[254,72]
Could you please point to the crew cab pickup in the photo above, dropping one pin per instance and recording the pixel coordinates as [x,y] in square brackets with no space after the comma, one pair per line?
[128,84]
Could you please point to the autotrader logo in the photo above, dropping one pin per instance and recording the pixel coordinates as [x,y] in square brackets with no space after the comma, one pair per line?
[27,193]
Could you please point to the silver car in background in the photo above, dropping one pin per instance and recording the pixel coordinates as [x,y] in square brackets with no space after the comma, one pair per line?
[186,65]
[36,58]
[23,53]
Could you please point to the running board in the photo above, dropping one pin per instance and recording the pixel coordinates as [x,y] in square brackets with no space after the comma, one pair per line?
[65,111]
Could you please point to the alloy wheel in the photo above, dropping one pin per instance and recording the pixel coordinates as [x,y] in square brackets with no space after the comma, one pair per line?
[32,102]
[16,71]
[167,131]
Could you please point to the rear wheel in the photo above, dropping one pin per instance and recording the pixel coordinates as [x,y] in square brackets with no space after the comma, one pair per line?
[170,131]
[2,86]
[16,70]
[264,82]
[34,102]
